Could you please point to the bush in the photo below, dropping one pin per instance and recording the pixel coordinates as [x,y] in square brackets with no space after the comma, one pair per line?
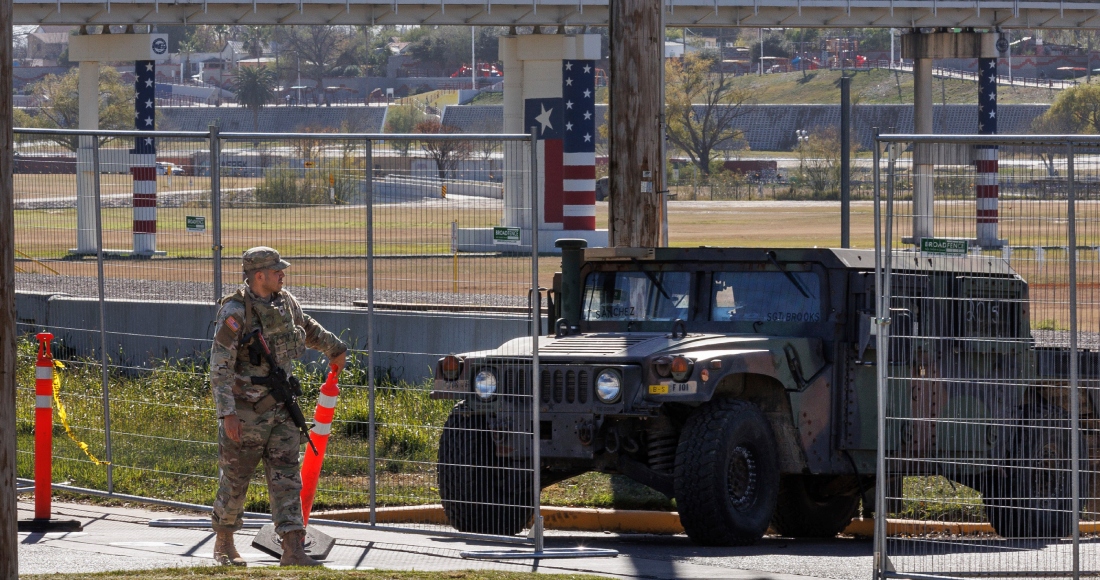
[304,187]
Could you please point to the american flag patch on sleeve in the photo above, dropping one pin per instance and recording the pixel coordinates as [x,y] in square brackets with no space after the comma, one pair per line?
[233,324]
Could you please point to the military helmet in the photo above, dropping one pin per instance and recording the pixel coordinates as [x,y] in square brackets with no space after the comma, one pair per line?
[262,257]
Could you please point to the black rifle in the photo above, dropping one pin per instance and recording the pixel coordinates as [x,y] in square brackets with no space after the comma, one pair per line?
[283,388]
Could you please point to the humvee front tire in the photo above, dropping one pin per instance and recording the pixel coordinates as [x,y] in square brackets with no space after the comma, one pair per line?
[802,512]
[481,493]
[1032,497]
[727,474]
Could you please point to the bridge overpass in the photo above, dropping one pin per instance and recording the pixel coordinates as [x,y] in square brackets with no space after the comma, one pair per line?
[1004,14]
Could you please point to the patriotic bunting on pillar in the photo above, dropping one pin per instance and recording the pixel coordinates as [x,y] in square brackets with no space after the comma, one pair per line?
[566,131]
[985,156]
[579,158]
[143,159]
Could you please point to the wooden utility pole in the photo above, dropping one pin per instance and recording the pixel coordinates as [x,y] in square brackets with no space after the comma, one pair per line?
[9,542]
[635,154]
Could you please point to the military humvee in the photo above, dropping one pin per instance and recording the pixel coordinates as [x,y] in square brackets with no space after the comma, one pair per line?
[742,382]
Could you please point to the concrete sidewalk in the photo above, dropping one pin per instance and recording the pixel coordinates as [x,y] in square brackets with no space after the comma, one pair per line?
[120,538]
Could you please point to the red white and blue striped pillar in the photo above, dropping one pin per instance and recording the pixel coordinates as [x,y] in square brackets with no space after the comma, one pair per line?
[143,159]
[985,157]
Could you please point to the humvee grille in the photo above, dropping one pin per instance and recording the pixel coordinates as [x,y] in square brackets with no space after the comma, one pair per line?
[515,381]
[565,385]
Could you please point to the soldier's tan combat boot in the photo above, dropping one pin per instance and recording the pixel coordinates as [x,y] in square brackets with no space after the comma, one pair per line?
[294,550]
[225,553]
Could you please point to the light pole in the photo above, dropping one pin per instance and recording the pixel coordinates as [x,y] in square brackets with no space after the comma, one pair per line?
[802,136]
[760,33]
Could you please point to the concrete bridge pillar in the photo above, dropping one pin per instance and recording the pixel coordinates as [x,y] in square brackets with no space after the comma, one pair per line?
[88,119]
[549,83]
[923,48]
[90,50]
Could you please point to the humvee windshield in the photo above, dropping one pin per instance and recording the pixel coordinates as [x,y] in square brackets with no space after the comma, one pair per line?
[766,296]
[610,296]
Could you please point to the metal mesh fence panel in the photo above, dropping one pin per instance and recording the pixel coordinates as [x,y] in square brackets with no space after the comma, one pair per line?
[989,379]
[410,217]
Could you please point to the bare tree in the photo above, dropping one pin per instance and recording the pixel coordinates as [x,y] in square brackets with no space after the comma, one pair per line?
[701,103]
[488,147]
[317,47]
[447,153]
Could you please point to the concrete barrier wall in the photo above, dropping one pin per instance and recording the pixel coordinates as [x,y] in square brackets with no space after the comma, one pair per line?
[139,334]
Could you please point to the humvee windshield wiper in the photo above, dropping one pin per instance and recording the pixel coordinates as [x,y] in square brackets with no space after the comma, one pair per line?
[652,278]
[791,277]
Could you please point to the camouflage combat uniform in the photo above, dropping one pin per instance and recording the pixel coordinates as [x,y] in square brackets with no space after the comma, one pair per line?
[267,431]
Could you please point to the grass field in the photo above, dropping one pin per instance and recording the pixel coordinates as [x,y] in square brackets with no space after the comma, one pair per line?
[328,243]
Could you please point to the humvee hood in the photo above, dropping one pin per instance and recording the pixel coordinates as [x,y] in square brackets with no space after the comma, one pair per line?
[634,345]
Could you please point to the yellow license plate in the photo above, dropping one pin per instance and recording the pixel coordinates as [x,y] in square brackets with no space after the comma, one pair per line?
[670,388]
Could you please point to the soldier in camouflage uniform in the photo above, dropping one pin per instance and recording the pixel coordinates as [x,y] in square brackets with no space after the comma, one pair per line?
[252,425]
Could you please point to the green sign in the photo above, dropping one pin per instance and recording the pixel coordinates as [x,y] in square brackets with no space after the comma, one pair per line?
[508,236]
[196,223]
[944,246]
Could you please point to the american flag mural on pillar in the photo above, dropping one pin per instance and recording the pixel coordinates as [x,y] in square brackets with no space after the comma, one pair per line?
[143,159]
[566,131]
[579,153]
[985,156]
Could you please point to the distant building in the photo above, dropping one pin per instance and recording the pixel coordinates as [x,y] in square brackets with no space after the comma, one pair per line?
[47,44]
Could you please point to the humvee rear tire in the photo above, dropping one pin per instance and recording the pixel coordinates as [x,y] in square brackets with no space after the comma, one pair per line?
[727,474]
[481,493]
[1032,496]
[802,512]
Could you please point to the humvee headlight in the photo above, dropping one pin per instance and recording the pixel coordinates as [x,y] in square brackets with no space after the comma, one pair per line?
[485,383]
[608,386]
[450,367]
[681,368]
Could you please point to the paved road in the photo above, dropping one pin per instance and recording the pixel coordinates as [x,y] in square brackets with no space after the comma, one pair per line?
[120,538]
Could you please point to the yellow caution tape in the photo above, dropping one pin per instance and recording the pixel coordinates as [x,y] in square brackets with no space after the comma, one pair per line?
[65,417]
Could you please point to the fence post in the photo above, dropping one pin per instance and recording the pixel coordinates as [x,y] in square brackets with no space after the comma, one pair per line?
[1075,400]
[881,345]
[102,312]
[216,207]
[535,395]
[368,157]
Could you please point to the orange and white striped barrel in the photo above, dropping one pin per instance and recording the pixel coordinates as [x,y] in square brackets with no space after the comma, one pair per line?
[322,427]
[43,427]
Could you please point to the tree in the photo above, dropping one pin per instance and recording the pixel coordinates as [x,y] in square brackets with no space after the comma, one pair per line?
[447,153]
[701,103]
[318,48]
[61,108]
[255,88]
[448,47]
[819,164]
[1076,110]
[402,119]
[254,39]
